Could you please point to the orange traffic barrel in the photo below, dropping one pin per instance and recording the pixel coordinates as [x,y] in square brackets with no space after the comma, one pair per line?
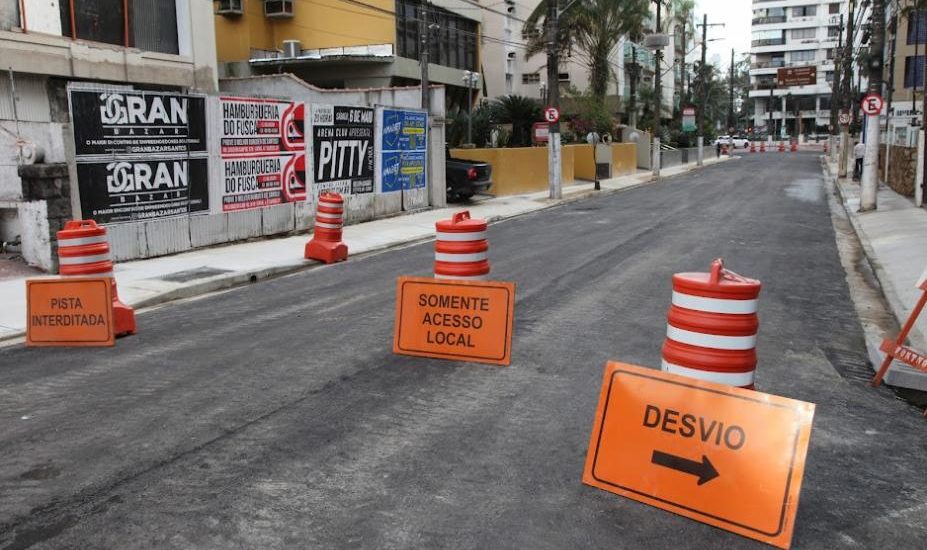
[326,244]
[753,147]
[762,146]
[781,146]
[83,251]
[794,146]
[461,247]
[712,326]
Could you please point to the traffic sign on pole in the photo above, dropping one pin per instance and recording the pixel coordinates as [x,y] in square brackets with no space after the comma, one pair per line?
[844,118]
[551,114]
[718,454]
[872,104]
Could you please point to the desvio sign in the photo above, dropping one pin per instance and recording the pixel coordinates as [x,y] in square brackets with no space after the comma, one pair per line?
[722,455]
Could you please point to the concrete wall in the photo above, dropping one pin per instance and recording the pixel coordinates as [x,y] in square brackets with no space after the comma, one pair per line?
[168,236]
[901,168]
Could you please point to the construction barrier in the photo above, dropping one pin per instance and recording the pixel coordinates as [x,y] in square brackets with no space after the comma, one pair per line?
[762,146]
[83,251]
[712,326]
[794,146]
[326,244]
[753,147]
[460,248]
[781,146]
[723,149]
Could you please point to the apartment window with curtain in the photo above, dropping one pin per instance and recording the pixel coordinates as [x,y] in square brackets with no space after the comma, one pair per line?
[803,55]
[804,11]
[144,24]
[833,9]
[453,41]
[913,71]
[800,34]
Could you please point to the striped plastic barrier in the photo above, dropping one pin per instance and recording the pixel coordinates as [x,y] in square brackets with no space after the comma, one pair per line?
[326,244]
[460,248]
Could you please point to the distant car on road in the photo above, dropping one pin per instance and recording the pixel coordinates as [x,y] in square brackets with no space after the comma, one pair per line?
[739,142]
[465,178]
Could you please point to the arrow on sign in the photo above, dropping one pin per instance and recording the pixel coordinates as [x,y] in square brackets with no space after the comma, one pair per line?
[704,469]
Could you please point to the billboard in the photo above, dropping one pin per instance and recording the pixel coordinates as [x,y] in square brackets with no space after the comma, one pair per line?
[263,153]
[140,155]
[342,149]
[403,144]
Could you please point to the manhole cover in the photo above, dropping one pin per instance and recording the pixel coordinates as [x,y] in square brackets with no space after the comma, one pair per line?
[193,274]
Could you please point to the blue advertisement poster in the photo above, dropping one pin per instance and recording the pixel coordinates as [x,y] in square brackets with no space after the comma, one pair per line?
[404,149]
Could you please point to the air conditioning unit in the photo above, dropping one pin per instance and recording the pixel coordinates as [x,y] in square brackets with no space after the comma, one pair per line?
[278,8]
[511,55]
[230,7]
[292,48]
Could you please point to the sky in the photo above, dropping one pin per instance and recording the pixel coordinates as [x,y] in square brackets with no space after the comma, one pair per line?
[736,16]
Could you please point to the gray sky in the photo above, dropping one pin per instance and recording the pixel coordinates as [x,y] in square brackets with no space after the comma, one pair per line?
[736,16]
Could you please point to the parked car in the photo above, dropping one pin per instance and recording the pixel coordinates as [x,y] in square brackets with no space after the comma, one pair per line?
[465,178]
[739,142]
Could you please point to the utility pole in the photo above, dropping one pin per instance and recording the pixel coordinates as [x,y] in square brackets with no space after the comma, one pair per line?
[730,108]
[769,125]
[846,80]
[703,75]
[657,80]
[682,63]
[553,98]
[870,179]
[423,56]
[890,90]
[835,85]
[635,73]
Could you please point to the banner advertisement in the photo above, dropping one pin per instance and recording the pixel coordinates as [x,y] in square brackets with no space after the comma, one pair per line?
[404,143]
[342,150]
[140,155]
[263,152]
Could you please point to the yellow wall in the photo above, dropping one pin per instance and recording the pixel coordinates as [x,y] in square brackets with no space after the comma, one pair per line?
[520,169]
[317,24]
[583,162]
[524,169]
[624,159]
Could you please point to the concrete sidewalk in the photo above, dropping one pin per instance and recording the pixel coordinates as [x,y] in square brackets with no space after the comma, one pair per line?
[893,238]
[145,283]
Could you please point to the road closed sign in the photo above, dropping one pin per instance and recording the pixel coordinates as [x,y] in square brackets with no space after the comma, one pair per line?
[69,312]
[457,320]
[721,455]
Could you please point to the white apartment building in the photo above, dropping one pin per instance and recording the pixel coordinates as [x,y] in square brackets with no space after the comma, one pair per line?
[794,33]
[507,70]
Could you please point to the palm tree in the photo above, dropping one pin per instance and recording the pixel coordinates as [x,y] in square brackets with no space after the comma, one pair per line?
[594,28]
[519,111]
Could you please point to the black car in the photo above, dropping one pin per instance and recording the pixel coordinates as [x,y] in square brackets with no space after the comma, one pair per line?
[465,178]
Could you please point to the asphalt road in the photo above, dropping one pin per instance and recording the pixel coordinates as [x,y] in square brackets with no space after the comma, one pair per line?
[276,415]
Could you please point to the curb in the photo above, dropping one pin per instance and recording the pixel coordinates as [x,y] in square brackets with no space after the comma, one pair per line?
[228,281]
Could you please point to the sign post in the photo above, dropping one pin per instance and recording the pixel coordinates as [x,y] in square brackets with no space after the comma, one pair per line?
[721,455]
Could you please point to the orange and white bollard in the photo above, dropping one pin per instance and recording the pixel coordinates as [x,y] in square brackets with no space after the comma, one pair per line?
[781,146]
[326,244]
[723,149]
[712,326]
[460,248]
[753,147]
[793,147]
[83,251]
[762,146]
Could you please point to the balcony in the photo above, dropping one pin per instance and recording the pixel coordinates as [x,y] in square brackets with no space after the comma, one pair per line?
[768,42]
[772,64]
[769,20]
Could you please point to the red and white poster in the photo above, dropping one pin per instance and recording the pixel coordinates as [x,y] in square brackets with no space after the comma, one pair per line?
[263,151]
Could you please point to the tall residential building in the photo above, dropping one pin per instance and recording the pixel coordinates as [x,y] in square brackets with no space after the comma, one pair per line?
[908,42]
[350,44]
[794,33]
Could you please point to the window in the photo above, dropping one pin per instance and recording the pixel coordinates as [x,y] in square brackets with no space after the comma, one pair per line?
[917,27]
[132,23]
[833,9]
[833,32]
[913,71]
[803,33]
[530,78]
[803,55]
[563,77]
[804,11]
[453,38]
[829,77]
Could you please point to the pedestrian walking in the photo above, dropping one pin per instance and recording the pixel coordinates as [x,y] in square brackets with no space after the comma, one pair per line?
[859,151]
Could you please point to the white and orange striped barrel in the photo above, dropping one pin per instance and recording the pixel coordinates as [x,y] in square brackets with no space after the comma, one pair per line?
[712,327]
[83,250]
[329,217]
[461,248]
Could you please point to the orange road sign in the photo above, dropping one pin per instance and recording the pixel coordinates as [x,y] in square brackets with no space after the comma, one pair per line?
[457,320]
[722,455]
[69,312]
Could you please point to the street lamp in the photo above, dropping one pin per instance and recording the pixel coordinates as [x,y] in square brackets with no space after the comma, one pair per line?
[471,79]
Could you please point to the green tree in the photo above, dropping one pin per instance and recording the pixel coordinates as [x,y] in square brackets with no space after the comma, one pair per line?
[519,111]
[591,28]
